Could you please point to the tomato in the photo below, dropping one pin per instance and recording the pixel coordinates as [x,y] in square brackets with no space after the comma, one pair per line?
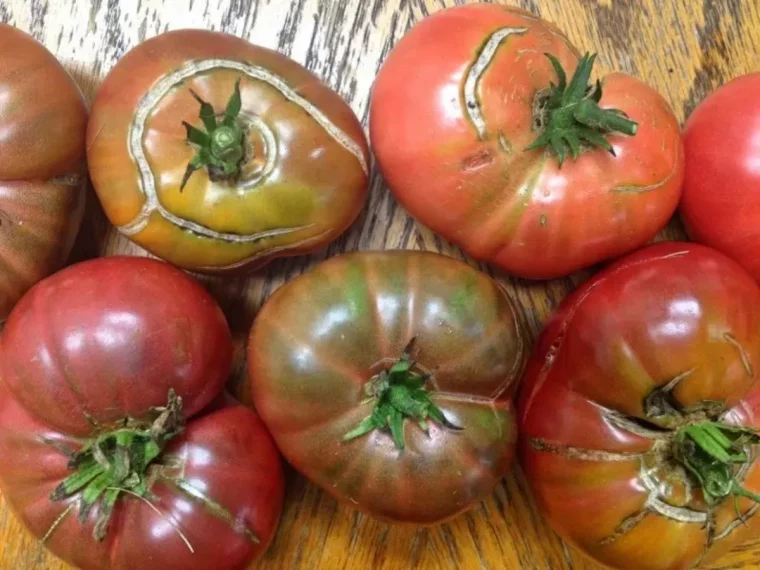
[218,155]
[513,155]
[387,379]
[118,450]
[42,128]
[638,410]
[721,200]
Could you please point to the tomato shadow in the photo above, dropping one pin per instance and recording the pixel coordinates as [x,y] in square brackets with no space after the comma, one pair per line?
[239,299]
[88,80]
[93,234]
[94,231]
[316,531]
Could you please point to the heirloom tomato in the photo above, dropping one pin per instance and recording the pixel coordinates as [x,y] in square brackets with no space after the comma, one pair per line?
[488,131]
[387,379]
[218,155]
[721,200]
[43,120]
[639,407]
[118,449]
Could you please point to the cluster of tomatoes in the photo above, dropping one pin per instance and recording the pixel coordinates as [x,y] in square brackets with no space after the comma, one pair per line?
[387,378]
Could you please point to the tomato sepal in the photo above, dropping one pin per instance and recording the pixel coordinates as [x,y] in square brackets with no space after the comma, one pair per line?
[568,116]
[710,451]
[399,393]
[221,148]
[118,461]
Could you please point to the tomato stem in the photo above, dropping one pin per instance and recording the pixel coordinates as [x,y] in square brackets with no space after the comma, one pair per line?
[118,461]
[220,148]
[400,393]
[711,451]
[568,116]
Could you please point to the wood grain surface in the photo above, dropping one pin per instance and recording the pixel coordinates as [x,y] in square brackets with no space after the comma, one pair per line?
[684,48]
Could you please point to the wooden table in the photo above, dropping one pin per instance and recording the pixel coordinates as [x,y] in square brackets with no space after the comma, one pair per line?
[683,47]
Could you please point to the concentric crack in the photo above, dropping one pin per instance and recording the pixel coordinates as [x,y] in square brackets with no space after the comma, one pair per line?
[147,178]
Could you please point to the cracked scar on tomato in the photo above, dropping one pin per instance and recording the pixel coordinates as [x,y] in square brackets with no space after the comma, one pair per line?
[694,444]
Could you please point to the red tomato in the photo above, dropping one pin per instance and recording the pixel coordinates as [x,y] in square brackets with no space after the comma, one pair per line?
[455,108]
[721,200]
[117,450]
[42,168]
[416,435]
[638,410]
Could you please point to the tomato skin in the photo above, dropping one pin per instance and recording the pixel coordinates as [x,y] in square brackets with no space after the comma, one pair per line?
[322,336]
[721,201]
[42,136]
[41,164]
[655,315]
[229,450]
[125,329]
[155,329]
[502,204]
[301,185]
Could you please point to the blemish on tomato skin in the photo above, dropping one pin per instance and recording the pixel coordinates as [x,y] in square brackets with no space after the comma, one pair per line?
[504,145]
[543,220]
[181,353]
[477,160]
[551,352]
[469,89]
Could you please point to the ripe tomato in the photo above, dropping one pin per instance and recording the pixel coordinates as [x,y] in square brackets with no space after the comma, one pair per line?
[638,409]
[455,109]
[218,155]
[407,431]
[721,200]
[117,450]
[42,128]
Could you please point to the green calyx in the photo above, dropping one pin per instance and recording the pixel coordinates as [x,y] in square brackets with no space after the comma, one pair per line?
[220,148]
[713,452]
[117,462]
[399,394]
[568,116]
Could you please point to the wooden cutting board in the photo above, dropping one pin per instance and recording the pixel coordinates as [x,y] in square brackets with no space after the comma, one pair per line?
[685,48]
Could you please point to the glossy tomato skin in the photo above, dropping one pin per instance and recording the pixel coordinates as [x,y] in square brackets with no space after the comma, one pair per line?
[228,451]
[588,441]
[324,335]
[462,170]
[721,200]
[41,163]
[97,323]
[105,340]
[304,177]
